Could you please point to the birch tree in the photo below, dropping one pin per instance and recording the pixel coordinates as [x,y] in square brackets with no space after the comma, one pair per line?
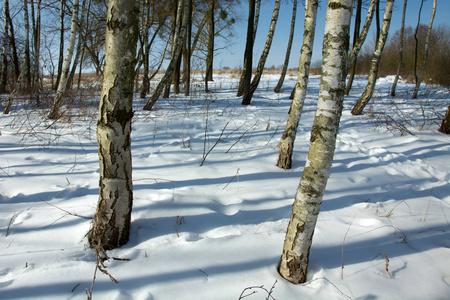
[62,86]
[111,226]
[4,71]
[355,38]
[180,39]
[37,46]
[286,144]
[425,55]
[277,88]
[370,87]
[400,58]
[248,94]
[298,240]
[25,84]
[246,76]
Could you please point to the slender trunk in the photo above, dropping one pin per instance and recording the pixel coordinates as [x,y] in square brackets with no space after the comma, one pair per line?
[111,226]
[277,88]
[12,41]
[4,72]
[378,20]
[57,101]
[144,41]
[355,38]
[425,54]
[247,96]
[61,41]
[187,56]
[416,38]
[178,46]
[246,76]
[370,87]
[400,59]
[210,54]
[37,47]
[286,144]
[445,126]
[25,84]
[294,260]
[362,36]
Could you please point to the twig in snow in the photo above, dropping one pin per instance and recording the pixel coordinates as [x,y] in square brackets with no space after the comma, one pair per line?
[386,259]
[323,278]
[9,225]
[68,212]
[342,251]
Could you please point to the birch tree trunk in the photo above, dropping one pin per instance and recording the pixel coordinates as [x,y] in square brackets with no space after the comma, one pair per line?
[425,55]
[62,86]
[247,96]
[111,226]
[297,244]
[246,76]
[286,144]
[400,59]
[445,126]
[370,87]
[187,56]
[12,41]
[277,88]
[210,54]
[178,47]
[355,38]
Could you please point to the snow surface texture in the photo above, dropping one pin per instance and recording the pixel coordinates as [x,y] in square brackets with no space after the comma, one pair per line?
[211,231]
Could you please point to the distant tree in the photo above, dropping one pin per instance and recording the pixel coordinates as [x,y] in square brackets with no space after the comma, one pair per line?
[62,87]
[246,76]
[248,94]
[36,16]
[210,47]
[111,226]
[370,87]
[286,144]
[61,40]
[277,88]
[425,55]
[297,244]
[355,38]
[400,59]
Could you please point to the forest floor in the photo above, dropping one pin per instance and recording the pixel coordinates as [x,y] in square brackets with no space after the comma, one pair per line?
[211,208]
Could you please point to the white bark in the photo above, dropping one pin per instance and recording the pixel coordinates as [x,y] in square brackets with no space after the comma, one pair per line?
[62,86]
[113,217]
[294,260]
[286,144]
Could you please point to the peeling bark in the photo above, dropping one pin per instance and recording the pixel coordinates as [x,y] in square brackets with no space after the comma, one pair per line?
[112,220]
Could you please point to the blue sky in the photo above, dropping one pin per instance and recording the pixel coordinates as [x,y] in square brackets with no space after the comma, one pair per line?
[234,56]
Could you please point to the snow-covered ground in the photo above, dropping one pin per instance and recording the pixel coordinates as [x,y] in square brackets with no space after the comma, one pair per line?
[216,231]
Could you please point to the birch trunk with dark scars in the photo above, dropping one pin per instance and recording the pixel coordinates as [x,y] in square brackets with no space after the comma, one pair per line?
[246,75]
[425,54]
[355,38]
[111,226]
[445,126]
[277,88]
[180,39]
[62,86]
[294,259]
[373,73]
[400,59]
[247,96]
[286,144]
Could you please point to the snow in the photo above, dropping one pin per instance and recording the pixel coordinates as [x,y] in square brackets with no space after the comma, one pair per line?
[211,231]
